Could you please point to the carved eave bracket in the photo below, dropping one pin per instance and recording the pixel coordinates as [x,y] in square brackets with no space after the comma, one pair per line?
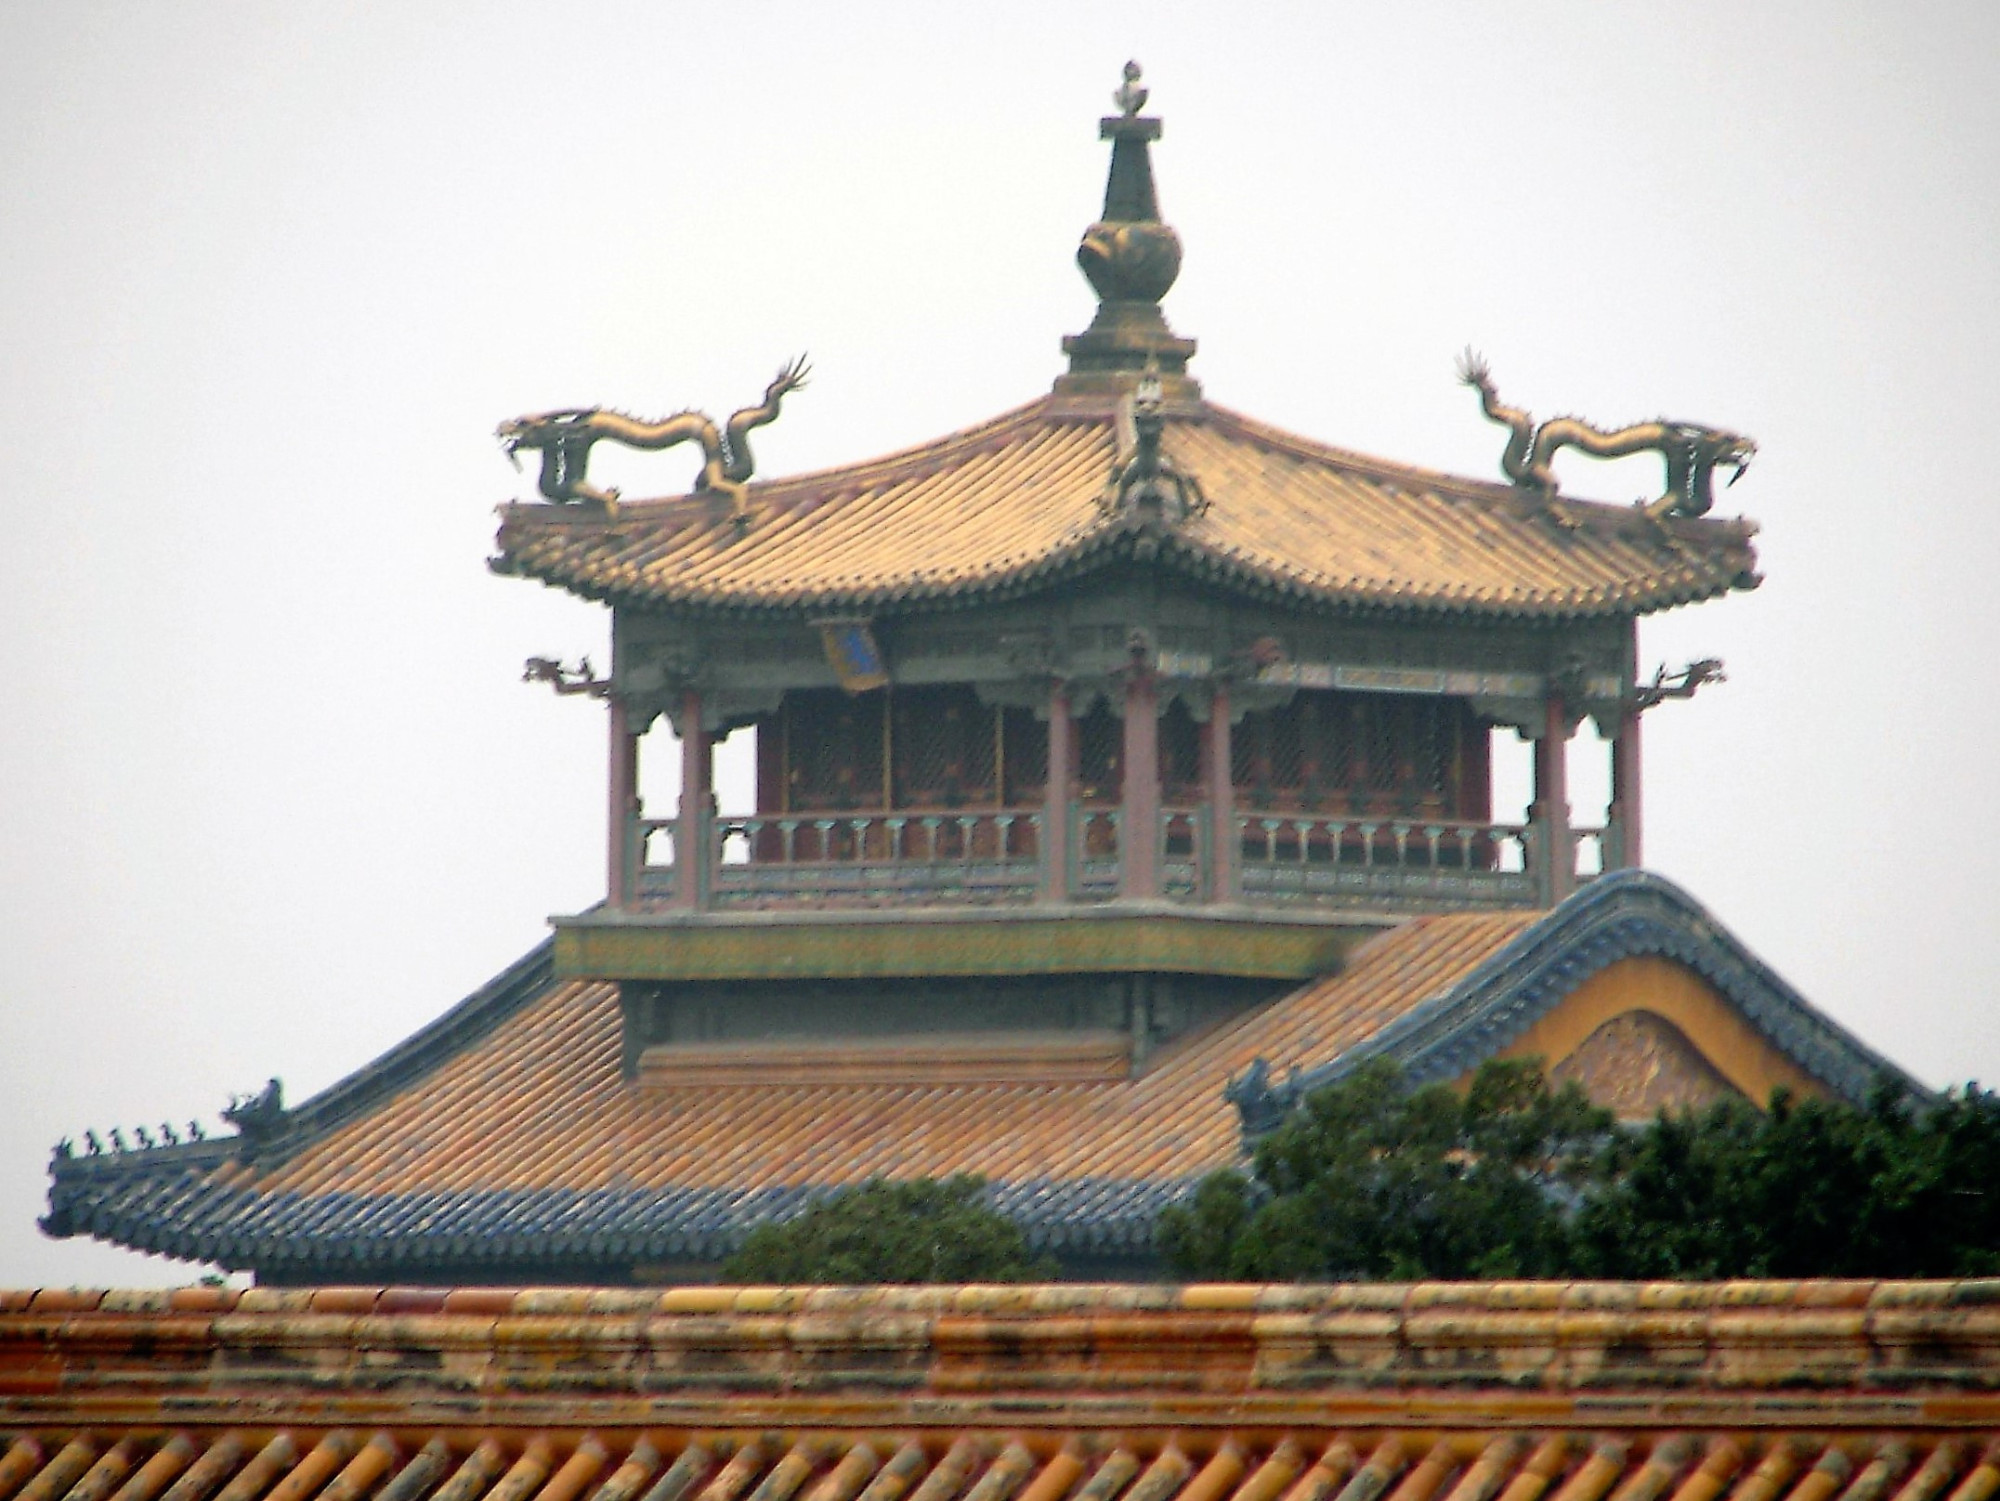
[567,681]
[1683,684]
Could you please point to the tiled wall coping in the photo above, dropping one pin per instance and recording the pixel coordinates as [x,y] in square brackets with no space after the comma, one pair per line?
[1136,1348]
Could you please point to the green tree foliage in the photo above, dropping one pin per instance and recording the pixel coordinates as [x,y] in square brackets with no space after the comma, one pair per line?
[928,1231]
[1898,1188]
[1372,1180]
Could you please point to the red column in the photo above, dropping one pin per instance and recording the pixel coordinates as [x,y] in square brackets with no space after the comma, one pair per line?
[1626,803]
[622,810]
[1551,811]
[1222,838]
[1055,798]
[697,802]
[1139,826]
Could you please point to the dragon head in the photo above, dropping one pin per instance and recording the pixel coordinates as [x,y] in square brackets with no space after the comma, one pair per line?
[1702,450]
[1730,449]
[564,439]
[539,430]
[1712,446]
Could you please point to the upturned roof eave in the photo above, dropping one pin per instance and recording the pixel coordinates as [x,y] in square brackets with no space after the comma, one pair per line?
[1715,555]
[1183,556]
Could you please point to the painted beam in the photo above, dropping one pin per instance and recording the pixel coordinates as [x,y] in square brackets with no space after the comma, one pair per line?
[593,947]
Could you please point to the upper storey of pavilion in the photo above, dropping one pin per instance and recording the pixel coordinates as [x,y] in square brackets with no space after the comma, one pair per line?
[1119,644]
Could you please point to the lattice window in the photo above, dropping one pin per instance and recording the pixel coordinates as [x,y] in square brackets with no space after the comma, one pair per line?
[1286,757]
[1386,727]
[946,747]
[1180,756]
[1100,750]
[832,749]
[1338,740]
[1361,754]
[1025,756]
[1435,723]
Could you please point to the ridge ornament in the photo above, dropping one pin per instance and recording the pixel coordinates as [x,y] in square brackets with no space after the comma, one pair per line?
[564,438]
[1692,452]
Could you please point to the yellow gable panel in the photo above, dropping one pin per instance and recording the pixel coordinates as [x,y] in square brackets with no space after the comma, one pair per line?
[1647,1032]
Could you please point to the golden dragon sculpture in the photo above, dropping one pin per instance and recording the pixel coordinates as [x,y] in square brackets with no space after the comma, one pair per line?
[1692,452]
[564,439]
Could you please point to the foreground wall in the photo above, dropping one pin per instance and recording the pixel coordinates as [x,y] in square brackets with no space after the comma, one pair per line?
[1434,1392]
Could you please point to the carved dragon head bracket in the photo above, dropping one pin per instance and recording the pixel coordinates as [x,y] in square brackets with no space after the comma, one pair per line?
[566,680]
[1691,452]
[565,437]
[1682,684]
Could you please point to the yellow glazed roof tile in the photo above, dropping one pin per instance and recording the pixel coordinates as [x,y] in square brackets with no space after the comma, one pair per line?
[1018,502]
[542,1102]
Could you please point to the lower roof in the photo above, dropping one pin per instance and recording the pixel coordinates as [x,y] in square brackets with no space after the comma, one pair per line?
[507,1137]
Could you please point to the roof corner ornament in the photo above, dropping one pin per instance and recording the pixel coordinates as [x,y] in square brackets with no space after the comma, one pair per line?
[564,439]
[1691,452]
[258,1118]
[1144,479]
[1261,1098]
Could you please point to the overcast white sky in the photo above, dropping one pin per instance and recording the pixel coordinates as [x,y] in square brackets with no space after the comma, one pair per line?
[271,793]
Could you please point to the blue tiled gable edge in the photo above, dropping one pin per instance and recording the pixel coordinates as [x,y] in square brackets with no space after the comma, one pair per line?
[1626,915]
[185,1213]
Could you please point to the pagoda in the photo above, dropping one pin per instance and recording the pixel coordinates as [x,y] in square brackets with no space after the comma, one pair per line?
[1122,771]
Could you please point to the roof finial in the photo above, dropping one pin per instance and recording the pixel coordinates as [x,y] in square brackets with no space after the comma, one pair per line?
[1131,257]
[1131,97]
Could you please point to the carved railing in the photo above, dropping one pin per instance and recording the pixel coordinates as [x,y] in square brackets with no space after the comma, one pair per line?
[959,857]
[1594,851]
[1307,858]
[1096,852]
[1183,853]
[907,858]
[651,853]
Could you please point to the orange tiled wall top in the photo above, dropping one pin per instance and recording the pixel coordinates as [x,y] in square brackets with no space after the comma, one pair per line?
[1151,1352]
[1445,1392]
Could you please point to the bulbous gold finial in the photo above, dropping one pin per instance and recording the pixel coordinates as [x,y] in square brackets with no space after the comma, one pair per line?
[1131,98]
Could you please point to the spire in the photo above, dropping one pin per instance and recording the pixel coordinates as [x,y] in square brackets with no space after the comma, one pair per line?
[1130,258]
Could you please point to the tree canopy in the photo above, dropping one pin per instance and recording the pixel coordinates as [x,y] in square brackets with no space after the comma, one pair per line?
[926,1231]
[1509,1178]
[1810,1188]
[1369,1179]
